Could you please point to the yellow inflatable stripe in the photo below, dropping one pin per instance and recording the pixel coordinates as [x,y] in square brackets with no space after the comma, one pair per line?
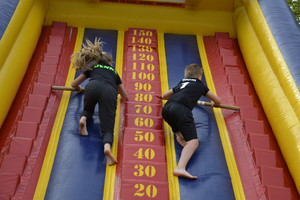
[232,167]
[19,55]
[118,16]
[13,29]
[110,174]
[279,111]
[174,193]
[55,134]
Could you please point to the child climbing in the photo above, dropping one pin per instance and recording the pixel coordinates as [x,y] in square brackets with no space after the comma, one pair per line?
[102,88]
[177,112]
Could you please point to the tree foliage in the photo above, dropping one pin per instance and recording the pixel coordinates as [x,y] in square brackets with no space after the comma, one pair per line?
[295,7]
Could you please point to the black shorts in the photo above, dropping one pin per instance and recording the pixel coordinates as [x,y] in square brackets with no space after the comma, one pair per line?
[180,118]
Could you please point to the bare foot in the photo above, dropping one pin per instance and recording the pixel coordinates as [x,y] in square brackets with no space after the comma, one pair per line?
[82,127]
[110,158]
[183,173]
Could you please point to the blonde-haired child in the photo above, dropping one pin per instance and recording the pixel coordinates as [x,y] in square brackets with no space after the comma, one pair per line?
[102,88]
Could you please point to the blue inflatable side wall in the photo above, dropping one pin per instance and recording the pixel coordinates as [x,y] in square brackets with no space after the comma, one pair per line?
[7,9]
[283,24]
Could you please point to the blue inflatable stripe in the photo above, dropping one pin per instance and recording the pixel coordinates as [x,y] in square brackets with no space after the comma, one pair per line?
[286,32]
[80,165]
[208,161]
[7,9]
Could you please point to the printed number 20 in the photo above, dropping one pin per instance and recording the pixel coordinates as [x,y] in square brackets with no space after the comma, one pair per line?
[151,190]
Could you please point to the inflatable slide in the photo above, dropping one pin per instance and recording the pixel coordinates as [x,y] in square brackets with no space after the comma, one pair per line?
[248,50]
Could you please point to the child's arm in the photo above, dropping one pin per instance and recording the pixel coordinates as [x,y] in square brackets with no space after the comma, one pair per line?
[166,95]
[122,91]
[76,83]
[213,97]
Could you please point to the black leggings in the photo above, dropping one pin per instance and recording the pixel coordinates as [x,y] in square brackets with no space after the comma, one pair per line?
[106,97]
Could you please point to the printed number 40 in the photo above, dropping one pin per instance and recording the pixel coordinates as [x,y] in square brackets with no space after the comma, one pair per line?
[148,154]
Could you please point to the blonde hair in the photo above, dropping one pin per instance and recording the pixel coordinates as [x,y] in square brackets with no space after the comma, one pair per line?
[192,71]
[90,55]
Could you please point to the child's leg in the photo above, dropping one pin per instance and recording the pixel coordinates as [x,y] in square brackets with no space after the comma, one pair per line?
[90,101]
[82,126]
[180,139]
[110,158]
[107,113]
[186,154]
